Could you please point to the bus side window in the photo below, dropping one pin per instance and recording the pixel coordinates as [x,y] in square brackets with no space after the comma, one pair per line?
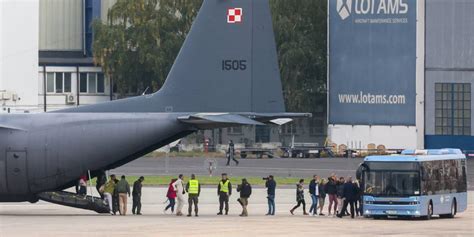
[427,178]
[463,180]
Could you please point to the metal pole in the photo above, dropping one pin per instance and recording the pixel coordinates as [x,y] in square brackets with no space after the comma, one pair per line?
[78,84]
[90,183]
[111,87]
[167,159]
[44,88]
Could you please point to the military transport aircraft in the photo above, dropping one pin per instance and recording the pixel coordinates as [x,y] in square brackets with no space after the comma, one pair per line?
[226,74]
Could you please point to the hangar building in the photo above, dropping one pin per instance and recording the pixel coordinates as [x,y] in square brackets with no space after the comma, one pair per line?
[401,73]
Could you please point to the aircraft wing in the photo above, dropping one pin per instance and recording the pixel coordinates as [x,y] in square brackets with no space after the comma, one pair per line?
[217,120]
[276,118]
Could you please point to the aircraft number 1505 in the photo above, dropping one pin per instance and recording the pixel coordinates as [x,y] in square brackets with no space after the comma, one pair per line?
[234,65]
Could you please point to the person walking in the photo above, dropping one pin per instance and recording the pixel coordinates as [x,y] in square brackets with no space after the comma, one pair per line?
[137,196]
[100,182]
[314,191]
[245,191]
[171,195]
[340,194]
[231,153]
[180,192]
[270,184]
[350,196]
[322,195]
[115,198]
[299,197]
[331,190]
[357,202]
[224,191]
[109,189]
[194,189]
[123,190]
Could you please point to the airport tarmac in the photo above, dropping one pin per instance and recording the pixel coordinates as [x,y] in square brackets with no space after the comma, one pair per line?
[44,219]
[280,167]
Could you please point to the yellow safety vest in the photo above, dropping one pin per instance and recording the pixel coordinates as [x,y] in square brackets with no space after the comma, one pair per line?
[225,186]
[193,186]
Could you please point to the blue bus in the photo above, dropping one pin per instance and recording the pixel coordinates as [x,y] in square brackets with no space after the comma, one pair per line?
[417,183]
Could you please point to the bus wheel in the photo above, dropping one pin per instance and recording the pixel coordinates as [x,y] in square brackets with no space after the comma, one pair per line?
[429,213]
[453,210]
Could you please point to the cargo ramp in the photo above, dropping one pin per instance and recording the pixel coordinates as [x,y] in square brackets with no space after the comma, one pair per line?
[73,200]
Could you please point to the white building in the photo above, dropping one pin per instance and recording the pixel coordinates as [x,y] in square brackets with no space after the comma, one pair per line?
[45,55]
[19,54]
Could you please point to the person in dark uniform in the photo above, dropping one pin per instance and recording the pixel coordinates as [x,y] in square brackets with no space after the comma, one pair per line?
[137,196]
[224,190]
[101,180]
[245,190]
[231,153]
[350,197]
[270,184]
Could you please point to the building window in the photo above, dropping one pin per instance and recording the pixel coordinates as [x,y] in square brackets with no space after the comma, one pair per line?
[100,83]
[316,127]
[58,82]
[83,82]
[288,128]
[92,83]
[262,134]
[50,82]
[67,82]
[453,109]
[234,130]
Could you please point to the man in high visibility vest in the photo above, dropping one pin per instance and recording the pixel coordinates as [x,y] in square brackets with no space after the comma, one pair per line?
[224,190]
[194,189]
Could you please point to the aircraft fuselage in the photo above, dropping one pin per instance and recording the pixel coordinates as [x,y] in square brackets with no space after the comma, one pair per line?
[49,151]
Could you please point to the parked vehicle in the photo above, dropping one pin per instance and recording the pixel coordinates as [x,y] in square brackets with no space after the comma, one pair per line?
[258,152]
[414,184]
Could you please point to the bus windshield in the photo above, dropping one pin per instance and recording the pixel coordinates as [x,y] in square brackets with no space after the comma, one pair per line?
[391,183]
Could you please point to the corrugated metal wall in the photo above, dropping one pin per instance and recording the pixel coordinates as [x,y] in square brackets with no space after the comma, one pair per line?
[60,25]
[449,34]
[449,51]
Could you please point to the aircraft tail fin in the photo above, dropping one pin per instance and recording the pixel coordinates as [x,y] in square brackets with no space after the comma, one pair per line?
[228,61]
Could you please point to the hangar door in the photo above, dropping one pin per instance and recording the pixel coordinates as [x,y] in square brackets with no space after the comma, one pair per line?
[17,179]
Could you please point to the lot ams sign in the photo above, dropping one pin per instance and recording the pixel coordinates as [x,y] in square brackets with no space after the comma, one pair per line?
[372,62]
[373,11]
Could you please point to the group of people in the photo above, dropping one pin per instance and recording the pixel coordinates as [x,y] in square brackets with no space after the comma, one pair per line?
[341,193]
[115,193]
[177,191]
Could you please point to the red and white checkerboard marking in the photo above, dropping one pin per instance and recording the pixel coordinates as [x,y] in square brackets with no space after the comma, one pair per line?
[234,15]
